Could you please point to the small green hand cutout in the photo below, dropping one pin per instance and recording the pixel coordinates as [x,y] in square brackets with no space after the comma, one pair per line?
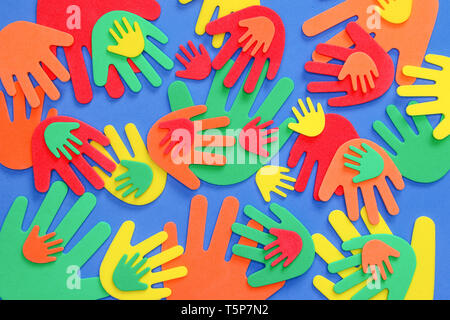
[419,157]
[57,136]
[139,177]
[273,274]
[126,276]
[241,164]
[397,283]
[370,165]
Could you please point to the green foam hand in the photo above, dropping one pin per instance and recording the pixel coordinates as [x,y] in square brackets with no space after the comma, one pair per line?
[104,40]
[419,157]
[126,276]
[369,165]
[58,136]
[273,272]
[397,281]
[138,178]
[241,164]
[61,279]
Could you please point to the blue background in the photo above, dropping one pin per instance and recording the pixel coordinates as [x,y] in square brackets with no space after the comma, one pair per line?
[143,109]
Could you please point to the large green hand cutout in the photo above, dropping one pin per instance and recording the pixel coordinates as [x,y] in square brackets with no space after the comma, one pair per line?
[419,157]
[241,164]
[58,136]
[369,165]
[22,279]
[397,283]
[102,58]
[273,274]
[126,276]
[138,178]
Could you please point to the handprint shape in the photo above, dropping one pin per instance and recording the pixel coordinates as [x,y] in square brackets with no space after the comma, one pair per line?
[270,273]
[374,253]
[137,174]
[241,164]
[177,163]
[320,149]
[369,164]
[36,249]
[127,277]
[366,61]
[312,122]
[25,46]
[238,25]
[22,279]
[260,33]
[44,161]
[288,243]
[410,281]
[388,35]
[120,246]
[199,65]
[339,175]
[58,138]
[78,17]
[440,90]
[269,178]
[395,11]
[419,157]
[15,136]
[103,59]
[225,8]
[203,279]
[130,43]
[254,137]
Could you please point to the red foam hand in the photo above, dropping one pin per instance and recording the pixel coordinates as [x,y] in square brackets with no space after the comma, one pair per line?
[253,137]
[259,31]
[289,244]
[199,65]
[320,149]
[44,161]
[78,17]
[377,69]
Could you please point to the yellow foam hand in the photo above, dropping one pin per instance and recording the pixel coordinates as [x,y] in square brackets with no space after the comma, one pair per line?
[124,183]
[268,178]
[121,248]
[312,123]
[440,90]
[131,43]
[225,8]
[423,244]
[395,11]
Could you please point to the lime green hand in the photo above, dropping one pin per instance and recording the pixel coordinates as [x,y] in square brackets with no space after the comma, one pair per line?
[138,178]
[273,274]
[126,276]
[419,157]
[58,136]
[241,164]
[370,165]
[103,58]
[22,279]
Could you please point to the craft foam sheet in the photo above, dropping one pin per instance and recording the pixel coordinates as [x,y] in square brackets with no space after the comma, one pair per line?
[143,109]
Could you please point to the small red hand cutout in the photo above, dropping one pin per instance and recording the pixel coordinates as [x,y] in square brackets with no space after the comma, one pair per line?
[37,250]
[253,137]
[289,245]
[199,65]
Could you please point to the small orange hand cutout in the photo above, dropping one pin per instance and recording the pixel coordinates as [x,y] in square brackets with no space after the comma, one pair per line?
[37,250]
[360,66]
[374,253]
[261,31]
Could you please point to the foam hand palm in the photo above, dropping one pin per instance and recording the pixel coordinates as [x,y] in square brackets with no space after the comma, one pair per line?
[22,279]
[78,17]
[312,122]
[419,157]
[114,279]
[242,164]
[203,279]
[269,178]
[103,55]
[273,273]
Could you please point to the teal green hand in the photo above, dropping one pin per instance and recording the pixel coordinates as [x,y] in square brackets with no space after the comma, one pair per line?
[273,274]
[102,59]
[22,279]
[397,283]
[58,136]
[138,178]
[419,157]
[370,165]
[241,164]
[126,276]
